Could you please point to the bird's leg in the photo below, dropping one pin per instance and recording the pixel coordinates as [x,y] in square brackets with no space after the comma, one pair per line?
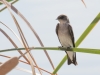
[65,48]
[61,47]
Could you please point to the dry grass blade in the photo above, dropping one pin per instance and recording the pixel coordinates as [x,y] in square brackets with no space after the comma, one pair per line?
[18,13]
[8,65]
[10,57]
[27,63]
[25,70]
[6,7]
[12,40]
[11,31]
[41,69]
[13,43]
[33,70]
[25,44]
[84,3]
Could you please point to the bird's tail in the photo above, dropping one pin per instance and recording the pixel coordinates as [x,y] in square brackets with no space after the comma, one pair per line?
[71,57]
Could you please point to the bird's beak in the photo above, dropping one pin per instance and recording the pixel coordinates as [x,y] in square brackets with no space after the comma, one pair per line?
[56,19]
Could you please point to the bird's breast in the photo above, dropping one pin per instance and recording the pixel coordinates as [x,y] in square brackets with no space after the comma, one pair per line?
[64,37]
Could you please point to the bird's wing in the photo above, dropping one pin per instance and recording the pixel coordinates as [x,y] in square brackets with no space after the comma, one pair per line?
[57,27]
[71,34]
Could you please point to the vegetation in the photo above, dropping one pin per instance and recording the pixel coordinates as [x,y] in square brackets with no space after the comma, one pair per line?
[30,59]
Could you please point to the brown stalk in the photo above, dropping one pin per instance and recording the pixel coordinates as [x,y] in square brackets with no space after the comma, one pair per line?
[6,6]
[9,38]
[84,3]
[24,43]
[29,25]
[23,40]
[26,46]
[17,47]
[26,63]
[10,57]
[12,41]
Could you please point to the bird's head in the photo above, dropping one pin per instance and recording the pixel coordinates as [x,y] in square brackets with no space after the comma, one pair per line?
[62,18]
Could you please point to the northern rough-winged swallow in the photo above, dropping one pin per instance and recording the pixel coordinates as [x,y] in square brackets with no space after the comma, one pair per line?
[66,37]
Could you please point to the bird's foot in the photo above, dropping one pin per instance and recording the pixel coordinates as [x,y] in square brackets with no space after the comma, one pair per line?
[68,48]
[61,47]
[65,48]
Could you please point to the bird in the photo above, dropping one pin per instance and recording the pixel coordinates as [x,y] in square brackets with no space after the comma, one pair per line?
[65,35]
